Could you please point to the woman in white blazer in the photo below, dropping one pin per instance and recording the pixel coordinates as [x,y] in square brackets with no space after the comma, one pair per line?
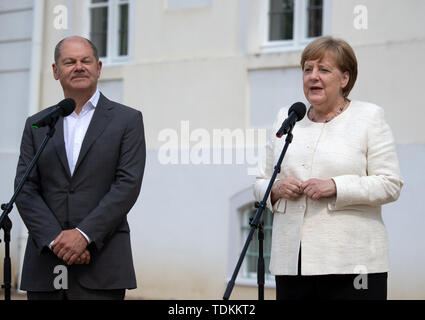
[329,240]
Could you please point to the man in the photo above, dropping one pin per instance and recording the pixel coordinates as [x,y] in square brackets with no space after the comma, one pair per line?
[75,202]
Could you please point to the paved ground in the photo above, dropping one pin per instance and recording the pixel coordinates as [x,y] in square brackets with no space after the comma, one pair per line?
[23,296]
[14,295]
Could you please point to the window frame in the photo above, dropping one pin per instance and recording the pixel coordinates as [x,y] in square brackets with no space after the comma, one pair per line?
[299,40]
[112,40]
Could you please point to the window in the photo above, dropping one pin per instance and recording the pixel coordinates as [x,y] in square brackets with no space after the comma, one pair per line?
[109,28]
[249,267]
[293,23]
[281,20]
[241,210]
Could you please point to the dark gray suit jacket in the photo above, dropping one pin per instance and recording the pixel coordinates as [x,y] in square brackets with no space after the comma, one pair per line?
[96,198]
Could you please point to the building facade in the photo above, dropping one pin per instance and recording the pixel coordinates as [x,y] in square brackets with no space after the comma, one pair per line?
[209,77]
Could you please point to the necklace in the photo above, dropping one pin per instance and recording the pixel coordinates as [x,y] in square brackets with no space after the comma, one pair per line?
[338,112]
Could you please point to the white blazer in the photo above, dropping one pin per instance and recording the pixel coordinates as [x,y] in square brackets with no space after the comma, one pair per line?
[343,234]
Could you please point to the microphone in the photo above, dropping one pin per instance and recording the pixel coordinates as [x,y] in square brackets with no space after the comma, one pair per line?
[295,113]
[63,108]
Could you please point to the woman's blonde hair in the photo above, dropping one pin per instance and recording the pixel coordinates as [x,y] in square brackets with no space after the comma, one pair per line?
[342,53]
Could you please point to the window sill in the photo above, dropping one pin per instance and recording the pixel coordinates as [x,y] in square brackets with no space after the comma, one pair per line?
[279,47]
[278,54]
[274,59]
[285,46]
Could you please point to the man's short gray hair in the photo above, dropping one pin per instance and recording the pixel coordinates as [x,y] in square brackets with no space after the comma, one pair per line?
[59,47]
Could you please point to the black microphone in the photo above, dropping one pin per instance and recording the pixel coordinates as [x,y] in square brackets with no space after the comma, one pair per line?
[63,108]
[295,113]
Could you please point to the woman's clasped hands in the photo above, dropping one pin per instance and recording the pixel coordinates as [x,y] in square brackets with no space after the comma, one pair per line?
[292,188]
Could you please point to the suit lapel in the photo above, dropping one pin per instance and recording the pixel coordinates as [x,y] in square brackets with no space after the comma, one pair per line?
[98,123]
[59,143]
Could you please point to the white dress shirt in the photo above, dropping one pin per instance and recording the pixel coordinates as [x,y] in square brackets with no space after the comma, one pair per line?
[74,130]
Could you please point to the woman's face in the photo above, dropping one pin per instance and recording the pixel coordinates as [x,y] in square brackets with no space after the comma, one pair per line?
[323,82]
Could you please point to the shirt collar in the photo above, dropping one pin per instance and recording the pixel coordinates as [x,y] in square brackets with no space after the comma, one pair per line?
[91,103]
[95,98]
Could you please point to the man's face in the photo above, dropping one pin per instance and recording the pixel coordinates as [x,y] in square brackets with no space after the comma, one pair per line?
[77,68]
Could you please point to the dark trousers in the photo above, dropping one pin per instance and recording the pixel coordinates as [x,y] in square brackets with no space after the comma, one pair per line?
[331,287]
[372,286]
[77,292]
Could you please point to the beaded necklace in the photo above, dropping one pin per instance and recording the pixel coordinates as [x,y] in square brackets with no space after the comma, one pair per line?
[338,112]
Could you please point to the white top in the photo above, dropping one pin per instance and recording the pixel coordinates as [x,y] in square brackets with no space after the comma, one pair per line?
[344,234]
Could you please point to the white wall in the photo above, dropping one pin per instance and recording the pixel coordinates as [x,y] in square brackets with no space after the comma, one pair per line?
[16,23]
[405,223]
[179,229]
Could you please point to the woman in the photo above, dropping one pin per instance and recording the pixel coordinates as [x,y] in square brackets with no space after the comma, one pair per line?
[329,240]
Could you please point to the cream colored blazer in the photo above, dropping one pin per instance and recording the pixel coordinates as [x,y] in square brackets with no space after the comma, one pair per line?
[344,234]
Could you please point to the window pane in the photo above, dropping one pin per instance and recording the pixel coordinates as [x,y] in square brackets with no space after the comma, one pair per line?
[99,29]
[314,18]
[123,30]
[281,18]
[99,1]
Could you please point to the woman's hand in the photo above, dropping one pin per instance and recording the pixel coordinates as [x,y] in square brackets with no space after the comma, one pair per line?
[288,188]
[317,188]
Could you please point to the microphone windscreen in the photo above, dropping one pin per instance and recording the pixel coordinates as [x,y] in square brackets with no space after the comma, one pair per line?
[67,105]
[299,108]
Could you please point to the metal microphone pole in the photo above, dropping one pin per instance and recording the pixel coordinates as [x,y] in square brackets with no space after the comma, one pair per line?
[5,222]
[255,224]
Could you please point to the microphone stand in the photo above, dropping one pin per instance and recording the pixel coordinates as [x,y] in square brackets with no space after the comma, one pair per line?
[5,222]
[257,223]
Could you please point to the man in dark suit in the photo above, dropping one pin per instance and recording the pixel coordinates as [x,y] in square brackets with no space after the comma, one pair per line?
[76,200]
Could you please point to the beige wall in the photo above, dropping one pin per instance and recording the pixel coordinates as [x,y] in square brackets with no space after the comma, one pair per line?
[165,35]
[390,56]
[388,21]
